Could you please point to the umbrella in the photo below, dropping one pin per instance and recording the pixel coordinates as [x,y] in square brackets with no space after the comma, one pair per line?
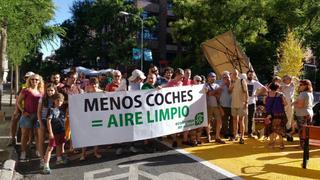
[224,54]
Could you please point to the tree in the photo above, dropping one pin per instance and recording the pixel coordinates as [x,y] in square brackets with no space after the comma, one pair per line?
[24,23]
[259,26]
[290,57]
[96,29]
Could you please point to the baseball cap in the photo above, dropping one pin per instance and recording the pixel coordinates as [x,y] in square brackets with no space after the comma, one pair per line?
[136,73]
[28,74]
[212,74]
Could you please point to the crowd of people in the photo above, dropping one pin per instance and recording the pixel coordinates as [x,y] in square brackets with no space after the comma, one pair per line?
[42,108]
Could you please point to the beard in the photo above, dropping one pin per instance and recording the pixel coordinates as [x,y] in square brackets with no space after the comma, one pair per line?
[249,78]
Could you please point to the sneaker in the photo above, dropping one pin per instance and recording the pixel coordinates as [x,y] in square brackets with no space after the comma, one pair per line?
[46,170]
[37,154]
[289,138]
[250,136]
[231,138]
[41,163]
[61,161]
[12,142]
[119,151]
[219,141]
[23,157]
[174,144]
[241,141]
[133,149]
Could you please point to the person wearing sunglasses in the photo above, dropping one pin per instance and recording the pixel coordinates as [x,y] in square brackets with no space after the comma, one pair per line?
[303,106]
[28,104]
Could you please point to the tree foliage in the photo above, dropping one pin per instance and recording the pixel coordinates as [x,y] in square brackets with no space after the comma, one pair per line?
[259,26]
[97,31]
[290,57]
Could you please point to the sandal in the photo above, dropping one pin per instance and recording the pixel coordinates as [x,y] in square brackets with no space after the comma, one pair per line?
[282,146]
[98,156]
[83,158]
[271,144]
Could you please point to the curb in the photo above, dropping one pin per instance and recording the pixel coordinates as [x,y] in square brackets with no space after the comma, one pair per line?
[8,169]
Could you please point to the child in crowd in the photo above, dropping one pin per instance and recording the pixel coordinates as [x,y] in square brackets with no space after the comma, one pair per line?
[45,103]
[56,128]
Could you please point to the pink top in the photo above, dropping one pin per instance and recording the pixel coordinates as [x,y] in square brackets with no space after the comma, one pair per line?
[187,82]
[173,83]
[31,101]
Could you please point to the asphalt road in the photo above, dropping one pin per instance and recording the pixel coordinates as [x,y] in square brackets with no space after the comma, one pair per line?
[163,164]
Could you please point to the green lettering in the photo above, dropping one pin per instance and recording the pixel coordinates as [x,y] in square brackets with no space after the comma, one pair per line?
[185,111]
[173,112]
[148,118]
[121,120]
[138,117]
[112,121]
[164,114]
[129,118]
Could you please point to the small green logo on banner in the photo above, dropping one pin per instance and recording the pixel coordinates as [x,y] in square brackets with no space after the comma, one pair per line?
[199,119]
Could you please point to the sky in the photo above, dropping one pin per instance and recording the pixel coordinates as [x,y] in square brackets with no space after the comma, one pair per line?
[62,12]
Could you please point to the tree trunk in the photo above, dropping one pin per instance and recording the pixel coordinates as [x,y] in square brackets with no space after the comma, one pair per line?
[3,47]
[17,79]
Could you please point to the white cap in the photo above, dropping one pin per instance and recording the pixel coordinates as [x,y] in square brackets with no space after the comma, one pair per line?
[28,74]
[136,73]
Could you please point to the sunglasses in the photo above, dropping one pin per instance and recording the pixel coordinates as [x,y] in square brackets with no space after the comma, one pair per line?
[34,79]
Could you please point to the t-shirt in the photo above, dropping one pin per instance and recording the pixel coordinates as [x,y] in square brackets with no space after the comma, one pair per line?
[253,85]
[225,97]
[147,86]
[134,86]
[307,97]
[187,82]
[174,83]
[58,118]
[288,91]
[239,93]
[31,100]
[45,108]
[212,100]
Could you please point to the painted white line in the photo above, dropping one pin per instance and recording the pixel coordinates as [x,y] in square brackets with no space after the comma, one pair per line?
[204,162]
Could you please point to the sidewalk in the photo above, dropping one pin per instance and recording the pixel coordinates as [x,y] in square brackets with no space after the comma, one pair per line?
[7,154]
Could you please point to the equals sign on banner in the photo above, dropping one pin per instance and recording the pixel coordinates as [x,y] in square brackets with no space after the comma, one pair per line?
[96,123]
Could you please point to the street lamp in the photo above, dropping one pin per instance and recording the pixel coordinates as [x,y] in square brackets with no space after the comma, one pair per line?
[141,38]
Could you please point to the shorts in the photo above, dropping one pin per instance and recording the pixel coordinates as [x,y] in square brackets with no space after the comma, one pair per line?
[37,124]
[214,112]
[239,112]
[28,121]
[58,139]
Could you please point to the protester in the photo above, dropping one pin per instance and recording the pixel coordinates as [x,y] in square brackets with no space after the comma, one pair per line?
[160,80]
[225,102]
[92,87]
[303,106]
[213,106]
[55,79]
[28,104]
[195,135]
[176,82]
[45,103]
[254,88]
[117,83]
[167,75]
[17,113]
[239,105]
[136,80]
[56,128]
[71,87]
[276,117]
[287,88]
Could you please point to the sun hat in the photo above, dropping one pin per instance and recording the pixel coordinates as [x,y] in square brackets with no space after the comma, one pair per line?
[28,74]
[135,74]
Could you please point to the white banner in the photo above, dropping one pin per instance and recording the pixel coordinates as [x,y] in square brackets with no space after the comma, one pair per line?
[115,117]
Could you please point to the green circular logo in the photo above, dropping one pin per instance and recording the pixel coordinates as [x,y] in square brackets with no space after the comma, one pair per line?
[199,119]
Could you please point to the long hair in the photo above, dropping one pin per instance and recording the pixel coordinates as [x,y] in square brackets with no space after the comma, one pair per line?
[40,86]
[45,99]
[308,83]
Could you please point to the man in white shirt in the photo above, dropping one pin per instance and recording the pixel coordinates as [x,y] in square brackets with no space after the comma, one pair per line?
[254,87]
[287,87]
